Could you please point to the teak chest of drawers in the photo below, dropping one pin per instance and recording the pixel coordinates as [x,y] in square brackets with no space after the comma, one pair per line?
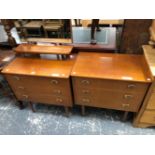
[146,115]
[40,81]
[114,81]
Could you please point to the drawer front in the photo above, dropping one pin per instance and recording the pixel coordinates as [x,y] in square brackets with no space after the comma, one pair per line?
[45,99]
[109,99]
[151,102]
[28,84]
[113,85]
[148,117]
[41,90]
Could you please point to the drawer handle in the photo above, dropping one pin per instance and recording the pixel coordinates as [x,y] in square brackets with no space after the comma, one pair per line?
[85,82]
[20,87]
[125,105]
[128,96]
[25,96]
[131,86]
[85,91]
[59,100]
[16,78]
[54,82]
[86,100]
[57,91]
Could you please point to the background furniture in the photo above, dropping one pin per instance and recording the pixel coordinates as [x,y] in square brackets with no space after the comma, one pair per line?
[114,81]
[152,32]
[135,34]
[33,26]
[146,116]
[8,25]
[40,81]
[53,26]
[116,22]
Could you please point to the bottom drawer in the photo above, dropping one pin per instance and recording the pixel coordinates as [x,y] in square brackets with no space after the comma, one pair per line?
[148,117]
[45,99]
[109,99]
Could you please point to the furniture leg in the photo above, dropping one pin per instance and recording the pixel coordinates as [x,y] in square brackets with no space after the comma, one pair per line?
[67,111]
[57,57]
[63,57]
[83,110]
[21,105]
[125,116]
[31,106]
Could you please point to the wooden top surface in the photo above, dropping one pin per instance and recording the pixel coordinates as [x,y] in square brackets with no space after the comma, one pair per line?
[50,40]
[33,24]
[149,53]
[39,67]
[111,66]
[85,23]
[43,49]
[52,26]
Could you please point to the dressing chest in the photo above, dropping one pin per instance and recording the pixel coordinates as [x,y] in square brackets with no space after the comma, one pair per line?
[114,81]
[40,81]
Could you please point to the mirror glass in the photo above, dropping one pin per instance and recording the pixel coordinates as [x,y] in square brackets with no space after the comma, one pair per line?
[95,30]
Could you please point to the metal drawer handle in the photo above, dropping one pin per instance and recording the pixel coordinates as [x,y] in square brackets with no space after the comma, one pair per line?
[85,91]
[20,87]
[85,82]
[128,96]
[125,105]
[86,100]
[131,86]
[59,100]
[25,96]
[57,91]
[54,82]
[16,78]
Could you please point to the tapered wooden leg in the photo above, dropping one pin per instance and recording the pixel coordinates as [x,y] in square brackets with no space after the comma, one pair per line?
[125,116]
[67,111]
[57,56]
[21,105]
[83,110]
[31,106]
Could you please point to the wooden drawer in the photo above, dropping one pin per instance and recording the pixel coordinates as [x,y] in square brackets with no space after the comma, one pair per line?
[148,117]
[28,84]
[151,102]
[45,99]
[41,89]
[113,85]
[109,99]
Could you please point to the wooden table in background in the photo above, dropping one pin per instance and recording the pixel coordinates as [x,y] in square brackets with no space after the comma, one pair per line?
[118,22]
[33,25]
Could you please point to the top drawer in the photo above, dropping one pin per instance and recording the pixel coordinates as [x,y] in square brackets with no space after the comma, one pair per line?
[38,84]
[109,85]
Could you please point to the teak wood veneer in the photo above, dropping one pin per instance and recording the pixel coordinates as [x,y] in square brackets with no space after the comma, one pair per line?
[146,116]
[40,80]
[114,81]
[43,49]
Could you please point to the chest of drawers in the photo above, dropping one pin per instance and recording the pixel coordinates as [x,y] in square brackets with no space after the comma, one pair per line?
[146,116]
[113,81]
[40,81]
